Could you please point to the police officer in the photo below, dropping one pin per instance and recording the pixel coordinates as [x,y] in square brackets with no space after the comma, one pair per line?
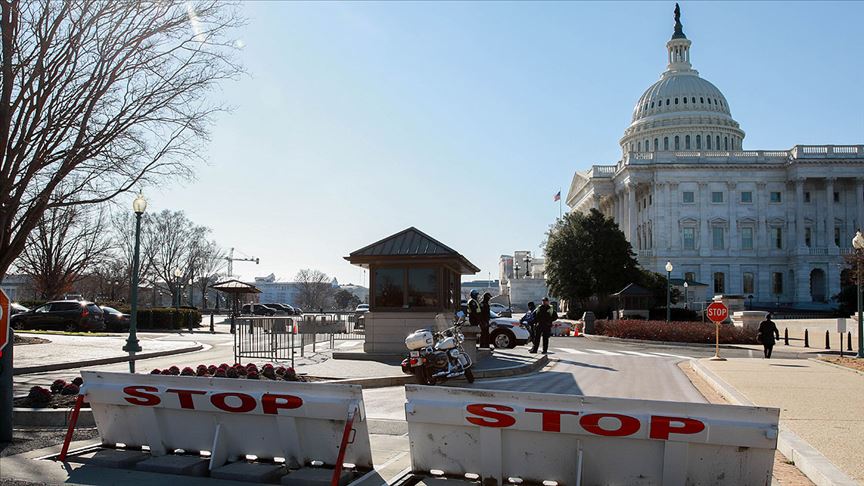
[528,320]
[473,309]
[545,315]
[485,317]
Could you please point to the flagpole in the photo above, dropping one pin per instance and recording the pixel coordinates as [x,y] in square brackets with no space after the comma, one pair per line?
[559,204]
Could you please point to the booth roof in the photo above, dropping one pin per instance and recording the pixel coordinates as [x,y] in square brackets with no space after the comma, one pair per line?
[235,287]
[410,243]
[634,290]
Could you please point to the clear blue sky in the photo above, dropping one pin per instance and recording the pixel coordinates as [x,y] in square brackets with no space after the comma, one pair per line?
[360,119]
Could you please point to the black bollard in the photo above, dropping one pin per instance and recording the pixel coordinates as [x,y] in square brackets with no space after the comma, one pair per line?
[806,339]
[827,340]
[849,341]
[786,336]
[212,330]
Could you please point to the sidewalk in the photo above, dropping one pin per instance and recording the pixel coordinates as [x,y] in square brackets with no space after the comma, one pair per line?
[66,352]
[821,404]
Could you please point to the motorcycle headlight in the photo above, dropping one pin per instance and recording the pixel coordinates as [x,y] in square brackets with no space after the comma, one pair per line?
[454,353]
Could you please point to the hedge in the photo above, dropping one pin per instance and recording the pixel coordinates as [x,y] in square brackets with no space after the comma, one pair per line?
[681,332]
[168,318]
[677,314]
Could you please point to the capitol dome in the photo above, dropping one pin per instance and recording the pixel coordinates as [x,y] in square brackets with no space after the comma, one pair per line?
[681,111]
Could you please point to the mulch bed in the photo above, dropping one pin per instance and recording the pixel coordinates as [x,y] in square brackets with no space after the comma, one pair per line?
[57,401]
[22,340]
[853,363]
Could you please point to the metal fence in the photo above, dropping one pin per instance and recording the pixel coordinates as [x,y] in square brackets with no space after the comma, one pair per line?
[281,338]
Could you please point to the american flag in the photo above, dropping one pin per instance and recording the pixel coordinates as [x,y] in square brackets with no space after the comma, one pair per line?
[557,196]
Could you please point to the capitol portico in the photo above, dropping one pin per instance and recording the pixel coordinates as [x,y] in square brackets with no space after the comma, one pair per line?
[773,224]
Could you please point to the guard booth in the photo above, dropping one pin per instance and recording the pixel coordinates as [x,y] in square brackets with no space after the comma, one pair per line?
[634,301]
[414,282]
[236,290]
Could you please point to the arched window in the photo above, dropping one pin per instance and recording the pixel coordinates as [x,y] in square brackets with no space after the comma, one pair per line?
[639,146]
[677,144]
[718,142]
[708,141]
[676,101]
[702,100]
[693,100]
[652,104]
[698,142]
[656,145]
[647,146]
[687,142]
[685,100]
[725,143]
[709,101]
[665,143]
[667,101]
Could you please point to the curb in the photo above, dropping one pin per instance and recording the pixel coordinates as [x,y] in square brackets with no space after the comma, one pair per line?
[807,459]
[94,362]
[54,417]
[777,350]
[845,368]
[399,380]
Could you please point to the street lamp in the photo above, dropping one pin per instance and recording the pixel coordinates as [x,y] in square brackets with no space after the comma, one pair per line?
[139,205]
[177,274]
[113,287]
[858,244]
[527,266]
[686,296]
[516,273]
[668,291]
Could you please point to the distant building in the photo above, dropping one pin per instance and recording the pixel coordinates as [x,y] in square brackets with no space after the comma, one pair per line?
[481,286]
[288,291]
[18,287]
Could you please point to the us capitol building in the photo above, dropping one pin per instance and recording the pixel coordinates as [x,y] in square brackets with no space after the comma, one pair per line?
[773,224]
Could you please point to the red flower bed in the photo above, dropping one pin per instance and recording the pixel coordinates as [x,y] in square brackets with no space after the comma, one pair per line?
[248,372]
[680,332]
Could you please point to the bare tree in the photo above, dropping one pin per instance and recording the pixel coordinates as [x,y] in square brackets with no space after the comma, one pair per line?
[208,265]
[65,245]
[316,292]
[98,97]
[172,242]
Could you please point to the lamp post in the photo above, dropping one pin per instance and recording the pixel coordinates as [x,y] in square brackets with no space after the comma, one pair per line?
[177,274]
[113,287]
[858,244]
[139,205]
[527,266]
[516,273]
[668,291]
[686,296]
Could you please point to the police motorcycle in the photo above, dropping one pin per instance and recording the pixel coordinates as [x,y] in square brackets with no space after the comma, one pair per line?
[435,357]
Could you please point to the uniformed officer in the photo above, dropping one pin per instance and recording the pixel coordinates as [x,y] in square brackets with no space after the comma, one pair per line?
[544,317]
[485,317]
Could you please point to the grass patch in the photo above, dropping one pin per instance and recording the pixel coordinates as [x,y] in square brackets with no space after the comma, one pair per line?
[63,333]
[851,363]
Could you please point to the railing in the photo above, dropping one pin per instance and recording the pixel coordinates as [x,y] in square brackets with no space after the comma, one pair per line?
[818,251]
[798,151]
[280,338]
[645,253]
[603,170]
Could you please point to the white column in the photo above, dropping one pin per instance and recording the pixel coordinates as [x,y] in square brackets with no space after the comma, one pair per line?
[704,204]
[859,203]
[829,224]
[733,218]
[799,212]
[762,247]
[595,202]
[631,213]
[673,242]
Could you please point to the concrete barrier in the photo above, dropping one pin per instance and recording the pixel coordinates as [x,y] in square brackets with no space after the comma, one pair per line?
[572,440]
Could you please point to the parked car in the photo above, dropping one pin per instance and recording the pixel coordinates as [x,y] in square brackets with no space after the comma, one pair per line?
[281,308]
[507,332]
[114,319]
[362,309]
[258,310]
[501,309]
[298,311]
[67,315]
[16,308]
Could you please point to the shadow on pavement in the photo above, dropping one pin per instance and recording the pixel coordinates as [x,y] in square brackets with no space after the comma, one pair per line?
[585,365]
[546,382]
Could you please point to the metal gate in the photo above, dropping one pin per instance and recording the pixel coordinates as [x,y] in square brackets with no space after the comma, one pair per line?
[280,338]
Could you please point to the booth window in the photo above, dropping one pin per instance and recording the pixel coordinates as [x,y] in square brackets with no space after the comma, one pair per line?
[389,287]
[423,287]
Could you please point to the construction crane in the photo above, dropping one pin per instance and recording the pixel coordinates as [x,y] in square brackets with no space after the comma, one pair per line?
[231,261]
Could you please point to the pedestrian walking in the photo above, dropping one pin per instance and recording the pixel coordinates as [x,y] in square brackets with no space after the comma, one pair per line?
[528,321]
[767,334]
[545,315]
[484,320]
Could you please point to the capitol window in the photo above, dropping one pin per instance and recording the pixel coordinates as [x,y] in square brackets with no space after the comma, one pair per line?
[665,143]
[719,282]
[702,100]
[836,197]
[778,237]
[836,236]
[688,197]
[656,145]
[776,197]
[685,100]
[667,101]
[708,141]
[676,101]
[725,143]
[747,197]
[718,142]
[716,197]
[747,281]
[698,142]
[717,237]
[693,99]
[746,238]
[687,142]
[677,143]
[806,196]
[777,283]
[688,237]
[808,237]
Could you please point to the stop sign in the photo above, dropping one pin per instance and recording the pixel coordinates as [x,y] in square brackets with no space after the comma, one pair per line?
[4,320]
[717,312]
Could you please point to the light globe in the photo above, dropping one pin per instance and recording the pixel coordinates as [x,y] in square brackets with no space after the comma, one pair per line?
[139,205]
